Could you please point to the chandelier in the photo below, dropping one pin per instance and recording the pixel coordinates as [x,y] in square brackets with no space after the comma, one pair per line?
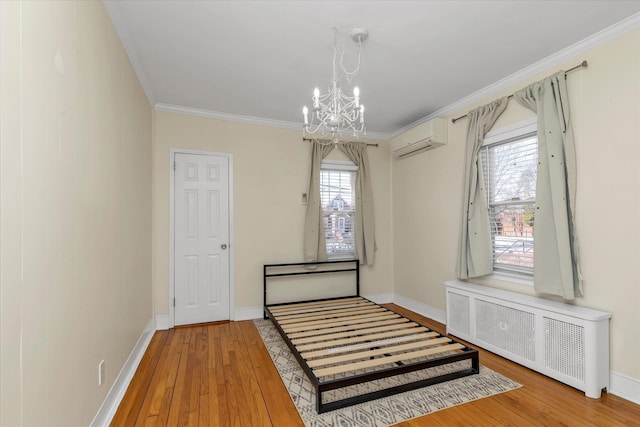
[335,112]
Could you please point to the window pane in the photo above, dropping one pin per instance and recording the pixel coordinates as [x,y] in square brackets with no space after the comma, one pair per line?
[338,228]
[513,170]
[510,178]
[512,229]
[336,187]
[337,196]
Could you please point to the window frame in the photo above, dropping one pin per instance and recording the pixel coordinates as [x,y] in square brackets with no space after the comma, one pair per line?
[516,131]
[340,165]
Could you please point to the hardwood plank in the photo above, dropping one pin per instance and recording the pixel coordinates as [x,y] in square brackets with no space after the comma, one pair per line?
[252,410]
[203,399]
[163,401]
[219,414]
[129,410]
[281,409]
[148,414]
[177,400]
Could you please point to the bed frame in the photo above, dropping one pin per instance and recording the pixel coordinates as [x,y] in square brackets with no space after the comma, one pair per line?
[349,340]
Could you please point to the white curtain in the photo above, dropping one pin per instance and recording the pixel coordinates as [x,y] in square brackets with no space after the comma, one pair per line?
[365,223]
[475,255]
[556,266]
[315,245]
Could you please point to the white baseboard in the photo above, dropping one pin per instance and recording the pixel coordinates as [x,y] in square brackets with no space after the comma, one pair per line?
[111,402]
[380,298]
[625,387]
[420,308]
[162,322]
[248,313]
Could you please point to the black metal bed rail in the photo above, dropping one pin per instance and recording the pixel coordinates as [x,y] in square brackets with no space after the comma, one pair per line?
[322,387]
[266,275]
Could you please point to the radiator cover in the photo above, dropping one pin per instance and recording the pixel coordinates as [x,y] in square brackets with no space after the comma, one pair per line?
[565,342]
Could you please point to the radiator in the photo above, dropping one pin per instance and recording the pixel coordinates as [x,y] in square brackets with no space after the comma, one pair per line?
[565,342]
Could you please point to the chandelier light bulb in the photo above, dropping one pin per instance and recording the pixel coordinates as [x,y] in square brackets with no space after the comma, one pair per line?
[305,112]
[316,98]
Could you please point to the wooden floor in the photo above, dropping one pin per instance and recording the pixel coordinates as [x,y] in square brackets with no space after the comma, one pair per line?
[221,375]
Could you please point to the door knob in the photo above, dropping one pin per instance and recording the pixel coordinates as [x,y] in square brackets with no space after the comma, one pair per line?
[223,246]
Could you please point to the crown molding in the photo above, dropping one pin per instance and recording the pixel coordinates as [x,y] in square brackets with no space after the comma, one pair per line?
[129,47]
[626,25]
[199,112]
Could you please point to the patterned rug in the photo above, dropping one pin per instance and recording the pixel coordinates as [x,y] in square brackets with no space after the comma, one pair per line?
[380,412]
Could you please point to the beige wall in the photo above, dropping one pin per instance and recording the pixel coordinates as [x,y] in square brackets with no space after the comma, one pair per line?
[75,209]
[270,173]
[605,103]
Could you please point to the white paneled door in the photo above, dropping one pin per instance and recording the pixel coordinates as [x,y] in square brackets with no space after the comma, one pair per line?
[201,203]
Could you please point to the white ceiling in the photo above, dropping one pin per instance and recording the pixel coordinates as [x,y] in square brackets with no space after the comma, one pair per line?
[262,59]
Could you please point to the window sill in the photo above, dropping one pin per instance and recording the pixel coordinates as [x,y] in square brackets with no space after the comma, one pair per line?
[512,278]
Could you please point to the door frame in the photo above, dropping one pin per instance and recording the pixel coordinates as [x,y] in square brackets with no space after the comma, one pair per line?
[172,156]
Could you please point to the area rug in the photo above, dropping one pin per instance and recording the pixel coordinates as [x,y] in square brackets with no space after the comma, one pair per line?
[380,412]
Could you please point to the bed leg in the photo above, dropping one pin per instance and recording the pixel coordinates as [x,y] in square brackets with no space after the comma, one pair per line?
[319,408]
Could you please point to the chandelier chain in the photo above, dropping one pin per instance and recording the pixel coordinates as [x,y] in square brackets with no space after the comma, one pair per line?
[350,75]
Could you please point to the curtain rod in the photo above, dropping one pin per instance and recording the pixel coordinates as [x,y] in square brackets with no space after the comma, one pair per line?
[577,67]
[368,143]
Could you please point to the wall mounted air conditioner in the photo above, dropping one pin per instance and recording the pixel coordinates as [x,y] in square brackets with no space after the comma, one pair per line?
[426,136]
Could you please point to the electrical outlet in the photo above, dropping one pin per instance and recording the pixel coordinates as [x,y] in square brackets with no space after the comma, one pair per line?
[101,372]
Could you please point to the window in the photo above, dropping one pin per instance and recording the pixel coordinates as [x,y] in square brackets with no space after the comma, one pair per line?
[510,161]
[337,195]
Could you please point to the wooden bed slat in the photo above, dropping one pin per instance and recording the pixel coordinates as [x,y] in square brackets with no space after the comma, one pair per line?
[315,332]
[377,352]
[341,322]
[330,315]
[317,310]
[384,361]
[303,313]
[349,333]
[342,345]
[294,306]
